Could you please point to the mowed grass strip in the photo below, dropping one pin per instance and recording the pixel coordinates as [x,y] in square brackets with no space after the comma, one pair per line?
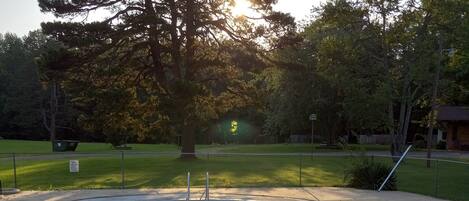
[36,172]
[23,146]
[228,171]
[166,171]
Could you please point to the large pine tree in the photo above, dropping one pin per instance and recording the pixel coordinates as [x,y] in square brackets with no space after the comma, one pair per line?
[165,41]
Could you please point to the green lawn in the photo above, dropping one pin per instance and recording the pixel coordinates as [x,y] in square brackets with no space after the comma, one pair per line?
[20,146]
[449,180]
[226,171]
[169,171]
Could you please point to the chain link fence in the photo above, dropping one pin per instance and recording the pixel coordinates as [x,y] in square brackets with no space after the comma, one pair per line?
[448,179]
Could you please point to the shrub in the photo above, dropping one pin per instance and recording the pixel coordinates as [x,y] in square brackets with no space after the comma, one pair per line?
[116,138]
[353,139]
[368,174]
[420,144]
[342,143]
[441,145]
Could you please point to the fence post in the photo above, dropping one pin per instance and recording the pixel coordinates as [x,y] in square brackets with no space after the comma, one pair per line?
[301,166]
[14,171]
[122,171]
[436,178]
[207,187]
[188,186]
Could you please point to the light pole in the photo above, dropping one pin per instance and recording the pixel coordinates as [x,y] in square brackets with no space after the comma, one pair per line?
[312,118]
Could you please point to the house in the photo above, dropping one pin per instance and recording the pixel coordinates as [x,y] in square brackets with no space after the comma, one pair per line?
[455,120]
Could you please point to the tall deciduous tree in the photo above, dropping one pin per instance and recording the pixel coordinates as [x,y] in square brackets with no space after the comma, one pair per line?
[334,73]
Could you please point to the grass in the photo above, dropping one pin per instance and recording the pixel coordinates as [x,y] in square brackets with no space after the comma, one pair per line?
[166,171]
[21,146]
[445,180]
[226,171]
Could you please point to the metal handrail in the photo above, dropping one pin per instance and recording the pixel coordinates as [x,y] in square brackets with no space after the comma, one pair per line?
[394,168]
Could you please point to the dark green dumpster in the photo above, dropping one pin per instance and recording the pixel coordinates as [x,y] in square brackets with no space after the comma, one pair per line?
[65,145]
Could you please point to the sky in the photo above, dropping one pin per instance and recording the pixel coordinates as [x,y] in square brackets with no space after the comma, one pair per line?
[22,16]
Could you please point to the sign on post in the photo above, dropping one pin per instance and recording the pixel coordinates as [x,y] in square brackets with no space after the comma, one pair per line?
[74,166]
[313,117]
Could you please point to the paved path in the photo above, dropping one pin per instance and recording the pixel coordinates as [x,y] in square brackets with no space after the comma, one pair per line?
[268,194]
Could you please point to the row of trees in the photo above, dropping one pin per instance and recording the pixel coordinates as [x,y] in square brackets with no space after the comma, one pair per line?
[156,69]
[373,66]
[33,104]
[20,85]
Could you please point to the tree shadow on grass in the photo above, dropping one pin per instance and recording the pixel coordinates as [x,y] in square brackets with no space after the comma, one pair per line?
[168,172]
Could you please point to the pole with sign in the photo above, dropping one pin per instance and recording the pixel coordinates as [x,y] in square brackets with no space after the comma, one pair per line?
[312,118]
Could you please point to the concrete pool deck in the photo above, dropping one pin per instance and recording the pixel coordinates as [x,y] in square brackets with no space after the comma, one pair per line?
[307,193]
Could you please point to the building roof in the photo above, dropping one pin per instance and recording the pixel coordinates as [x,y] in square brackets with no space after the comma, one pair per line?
[453,113]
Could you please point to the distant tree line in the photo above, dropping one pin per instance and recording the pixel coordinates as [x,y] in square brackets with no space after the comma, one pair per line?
[27,89]
[156,70]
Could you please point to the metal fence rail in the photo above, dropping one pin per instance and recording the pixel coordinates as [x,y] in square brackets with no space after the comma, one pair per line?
[123,169]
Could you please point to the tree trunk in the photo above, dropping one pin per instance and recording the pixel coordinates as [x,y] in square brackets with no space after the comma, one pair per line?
[155,49]
[175,40]
[405,112]
[188,142]
[53,112]
[391,127]
[188,136]
[433,102]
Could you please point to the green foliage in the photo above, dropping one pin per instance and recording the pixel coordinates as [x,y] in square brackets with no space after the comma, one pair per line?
[353,70]
[441,145]
[185,76]
[330,74]
[135,76]
[20,93]
[369,174]
[455,82]
[27,65]
[421,144]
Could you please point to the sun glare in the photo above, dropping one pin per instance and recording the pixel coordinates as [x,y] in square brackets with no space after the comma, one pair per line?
[241,8]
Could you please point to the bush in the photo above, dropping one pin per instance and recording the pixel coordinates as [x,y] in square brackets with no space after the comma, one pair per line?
[353,139]
[441,145]
[368,174]
[116,139]
[420,144]
[342,143]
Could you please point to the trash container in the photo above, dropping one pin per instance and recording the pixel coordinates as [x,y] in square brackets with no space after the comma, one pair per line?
[65,145]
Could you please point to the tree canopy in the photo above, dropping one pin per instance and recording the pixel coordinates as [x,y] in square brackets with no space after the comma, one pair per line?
[159,70]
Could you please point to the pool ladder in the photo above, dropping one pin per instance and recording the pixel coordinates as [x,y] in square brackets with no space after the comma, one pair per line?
[205,194]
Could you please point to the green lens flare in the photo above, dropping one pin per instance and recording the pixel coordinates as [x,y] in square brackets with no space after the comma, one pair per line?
[234,127]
